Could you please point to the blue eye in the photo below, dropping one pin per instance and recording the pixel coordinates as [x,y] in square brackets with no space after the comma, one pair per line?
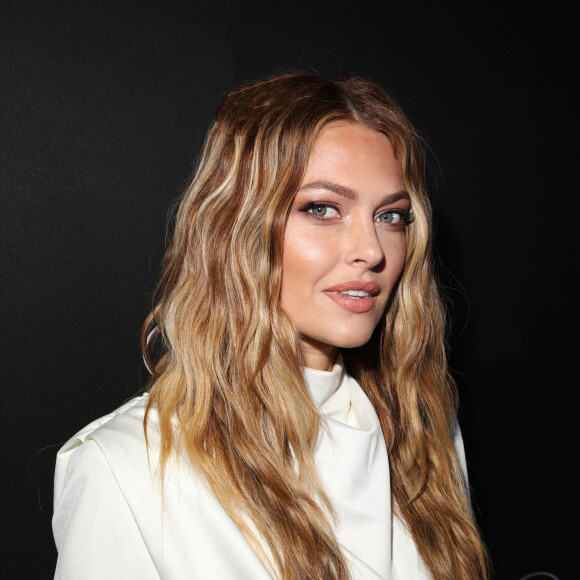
[320,210]
[395,219]
[389,217]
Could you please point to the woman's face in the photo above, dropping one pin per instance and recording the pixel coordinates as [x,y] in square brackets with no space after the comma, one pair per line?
[344,244]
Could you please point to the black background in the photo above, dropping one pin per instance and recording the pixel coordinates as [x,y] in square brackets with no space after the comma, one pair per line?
[103,107]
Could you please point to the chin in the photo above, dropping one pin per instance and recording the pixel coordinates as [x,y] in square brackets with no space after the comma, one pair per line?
[351,341]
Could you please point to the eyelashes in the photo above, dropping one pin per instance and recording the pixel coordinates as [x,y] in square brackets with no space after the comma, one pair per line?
[320,210]
[324,211]
[395,216]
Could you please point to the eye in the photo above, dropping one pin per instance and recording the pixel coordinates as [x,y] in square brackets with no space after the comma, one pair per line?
[389,217]
[320,210]
[395,217]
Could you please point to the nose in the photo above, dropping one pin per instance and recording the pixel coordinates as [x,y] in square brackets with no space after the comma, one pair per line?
[364,248]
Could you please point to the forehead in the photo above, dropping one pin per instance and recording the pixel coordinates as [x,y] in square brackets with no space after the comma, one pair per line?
[349,153]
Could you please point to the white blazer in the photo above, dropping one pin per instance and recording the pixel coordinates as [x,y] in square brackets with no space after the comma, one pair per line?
[110,521]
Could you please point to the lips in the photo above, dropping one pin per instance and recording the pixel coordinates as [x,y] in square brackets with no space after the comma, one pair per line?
[354,296]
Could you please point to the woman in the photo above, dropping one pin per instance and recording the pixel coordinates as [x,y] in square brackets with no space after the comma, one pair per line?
[300,420]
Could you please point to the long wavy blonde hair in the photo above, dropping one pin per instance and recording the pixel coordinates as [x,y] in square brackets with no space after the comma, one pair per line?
[231,366]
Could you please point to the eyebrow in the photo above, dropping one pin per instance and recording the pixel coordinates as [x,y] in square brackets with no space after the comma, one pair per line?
[351,193]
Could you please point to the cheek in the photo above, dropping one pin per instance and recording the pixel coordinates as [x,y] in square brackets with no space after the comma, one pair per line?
[397,254]
[305,259]
[401,258]
[297,273]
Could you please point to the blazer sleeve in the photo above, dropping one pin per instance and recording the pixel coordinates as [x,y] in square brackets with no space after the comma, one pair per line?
[95,532]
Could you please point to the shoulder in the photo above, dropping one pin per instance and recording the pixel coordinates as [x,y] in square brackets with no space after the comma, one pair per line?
[118,438]
[110,509]
[128,415]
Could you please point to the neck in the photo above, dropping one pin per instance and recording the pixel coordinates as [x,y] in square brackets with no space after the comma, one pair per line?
[317,355]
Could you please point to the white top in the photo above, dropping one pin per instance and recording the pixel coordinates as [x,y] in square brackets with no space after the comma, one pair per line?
[109,521]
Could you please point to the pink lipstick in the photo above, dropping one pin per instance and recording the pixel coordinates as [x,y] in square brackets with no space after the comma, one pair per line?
[357,297]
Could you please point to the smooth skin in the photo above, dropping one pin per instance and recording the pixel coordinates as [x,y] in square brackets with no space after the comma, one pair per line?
[344,244]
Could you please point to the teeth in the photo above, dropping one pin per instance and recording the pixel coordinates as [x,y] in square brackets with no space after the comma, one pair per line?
[354,293]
